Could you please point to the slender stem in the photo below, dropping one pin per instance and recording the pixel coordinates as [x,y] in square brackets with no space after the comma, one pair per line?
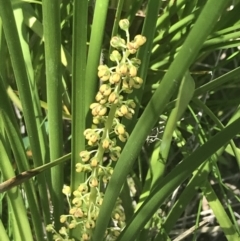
[79,92]
[51,26]
[99,18]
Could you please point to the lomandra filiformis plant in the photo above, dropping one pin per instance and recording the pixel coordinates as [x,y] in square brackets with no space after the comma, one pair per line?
[110,107]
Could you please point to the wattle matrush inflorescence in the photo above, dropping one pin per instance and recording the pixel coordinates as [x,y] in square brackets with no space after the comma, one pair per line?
[107,111]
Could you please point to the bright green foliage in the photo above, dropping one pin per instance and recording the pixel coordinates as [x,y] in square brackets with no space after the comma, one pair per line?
[142,97]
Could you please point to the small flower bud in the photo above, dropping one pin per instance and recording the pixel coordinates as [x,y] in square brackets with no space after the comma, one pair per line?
[95,110]
[125,84]
[140,40]
[56,237]
[49,228]
[72,225]
[115,56]
[117,42]
[104,76]
[85,236]
[114,156]
[94,105]
[131,110]
[94,162]
[63,231]
[122,69]
[129,115]
[85,155]
[98,109]
[110,169]
[90,224]
[132,51]
[105,89]
[99,201]
[78,213]
[136,62]
[132,71]
[123,137]
[63,218]
[76,193]
[80,167]
[119,113]
[119,129]
[93,182]
[102,111]
[105,179]
[122,217]
[101,171]
[94,137]
[72,210]
[106,143]
[115,153]
[96,120]
[83,188]
[103,72]
[103,101]
[77,202]
[124,109]
[66,190]
[126,87]
[137,82]
[99,96]
[88,132]
[131,103]
[102,67]
[116,233]
[114,78]
[94,214]
[116,216]
[113,98]
[124,24]
[131,48]
[131,83]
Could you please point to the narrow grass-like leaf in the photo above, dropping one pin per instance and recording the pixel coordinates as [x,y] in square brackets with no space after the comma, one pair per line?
[19,69]
[218,82]
[186,196]
[14,195]
[23,84]
[79,55]
[95,46]
[17,147]
[51,26]
[220,214]
[219,124]
[36,26]
[42,135]
[3,234]
[170,10]
[79,92]
[185,94]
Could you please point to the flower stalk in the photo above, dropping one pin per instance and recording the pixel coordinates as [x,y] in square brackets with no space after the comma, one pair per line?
[110,107]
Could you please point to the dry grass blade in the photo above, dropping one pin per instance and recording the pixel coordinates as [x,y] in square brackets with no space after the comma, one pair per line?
[191,230]
[24,176]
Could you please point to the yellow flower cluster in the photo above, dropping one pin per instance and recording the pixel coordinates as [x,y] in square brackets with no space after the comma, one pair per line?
[109,108]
